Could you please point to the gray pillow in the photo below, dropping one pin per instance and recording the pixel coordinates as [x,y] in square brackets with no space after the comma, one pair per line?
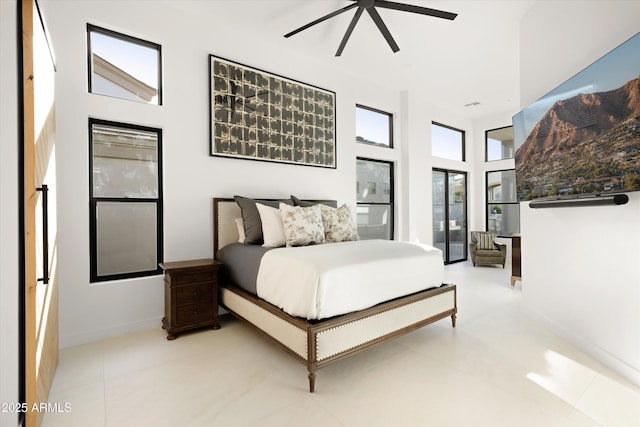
[307,203]
[251,217]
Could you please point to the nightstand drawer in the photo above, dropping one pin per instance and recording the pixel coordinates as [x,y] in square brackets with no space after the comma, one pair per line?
[200,292]
[203,276]
[194,312]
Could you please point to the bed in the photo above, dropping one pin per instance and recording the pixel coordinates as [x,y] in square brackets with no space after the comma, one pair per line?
[325,337]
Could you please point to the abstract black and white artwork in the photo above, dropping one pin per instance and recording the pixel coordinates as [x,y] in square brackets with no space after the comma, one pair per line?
[258,115]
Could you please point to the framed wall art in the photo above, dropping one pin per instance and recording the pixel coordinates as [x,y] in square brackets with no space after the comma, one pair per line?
[258,115]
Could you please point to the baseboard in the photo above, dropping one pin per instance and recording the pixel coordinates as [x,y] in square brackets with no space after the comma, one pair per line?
[110,332]
[615,364]
[114,331]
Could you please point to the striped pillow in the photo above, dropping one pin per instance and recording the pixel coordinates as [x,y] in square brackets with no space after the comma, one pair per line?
[485,240]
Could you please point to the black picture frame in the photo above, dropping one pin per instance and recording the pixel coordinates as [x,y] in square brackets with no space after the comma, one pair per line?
[258,115]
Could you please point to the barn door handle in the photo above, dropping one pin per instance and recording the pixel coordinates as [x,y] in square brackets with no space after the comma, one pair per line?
[45,234]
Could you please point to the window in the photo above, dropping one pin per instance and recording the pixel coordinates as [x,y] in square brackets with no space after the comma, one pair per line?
[447,142]
[374,127]
[499,144]
[375,210]
[125,194]
[503,209]
[124,67]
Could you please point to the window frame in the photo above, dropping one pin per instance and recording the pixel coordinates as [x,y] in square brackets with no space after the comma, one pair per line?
[389,115]
[391,203]
[486,144]
[129,39]
[488,203]
[94,201]
[462,141]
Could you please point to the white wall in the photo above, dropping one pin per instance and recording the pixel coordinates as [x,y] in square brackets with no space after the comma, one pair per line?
[581,270]
[415,184]
[478,188]
[9,211]
[192,177]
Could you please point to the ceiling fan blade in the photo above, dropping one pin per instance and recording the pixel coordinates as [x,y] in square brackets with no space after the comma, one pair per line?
[319,20]
[415,9]
[352,25]
[383,29]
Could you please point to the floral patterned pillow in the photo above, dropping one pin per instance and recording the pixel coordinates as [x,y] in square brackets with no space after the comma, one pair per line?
[302,225]
[338,224]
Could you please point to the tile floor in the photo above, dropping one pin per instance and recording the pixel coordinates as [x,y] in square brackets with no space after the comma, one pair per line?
[496,368]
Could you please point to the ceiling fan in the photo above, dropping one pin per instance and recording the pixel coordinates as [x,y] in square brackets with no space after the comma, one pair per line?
[370,7]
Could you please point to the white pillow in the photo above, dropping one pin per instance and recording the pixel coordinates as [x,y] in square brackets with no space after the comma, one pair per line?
[272,229]
[338,223]
[240,226]
[302,225]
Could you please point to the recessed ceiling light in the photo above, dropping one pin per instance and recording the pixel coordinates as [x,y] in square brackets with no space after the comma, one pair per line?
[472,104]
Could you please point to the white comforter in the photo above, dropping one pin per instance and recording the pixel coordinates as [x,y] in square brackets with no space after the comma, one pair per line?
[316,282]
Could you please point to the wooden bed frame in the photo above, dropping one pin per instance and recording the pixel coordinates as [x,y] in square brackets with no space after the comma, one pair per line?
[320,343]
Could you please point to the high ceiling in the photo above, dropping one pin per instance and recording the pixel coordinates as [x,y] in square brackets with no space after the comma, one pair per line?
[472,59]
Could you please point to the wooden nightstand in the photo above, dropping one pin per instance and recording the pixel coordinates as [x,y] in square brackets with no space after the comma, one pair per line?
[190,295]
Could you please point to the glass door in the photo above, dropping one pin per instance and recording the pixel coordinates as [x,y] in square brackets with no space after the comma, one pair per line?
[450,214]
[457,216]
[439,211]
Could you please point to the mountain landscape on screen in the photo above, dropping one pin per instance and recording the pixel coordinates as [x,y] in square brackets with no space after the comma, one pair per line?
[587,144]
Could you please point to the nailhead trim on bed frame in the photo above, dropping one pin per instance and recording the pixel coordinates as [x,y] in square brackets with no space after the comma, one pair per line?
[350,335]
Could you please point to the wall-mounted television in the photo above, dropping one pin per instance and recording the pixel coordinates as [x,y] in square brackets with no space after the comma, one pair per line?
[583,138]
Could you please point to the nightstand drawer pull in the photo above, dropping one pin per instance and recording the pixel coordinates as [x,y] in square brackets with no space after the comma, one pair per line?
[189,294]
[195,313]
[205,276]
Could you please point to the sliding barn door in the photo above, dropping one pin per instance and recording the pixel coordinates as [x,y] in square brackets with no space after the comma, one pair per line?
[39,219]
